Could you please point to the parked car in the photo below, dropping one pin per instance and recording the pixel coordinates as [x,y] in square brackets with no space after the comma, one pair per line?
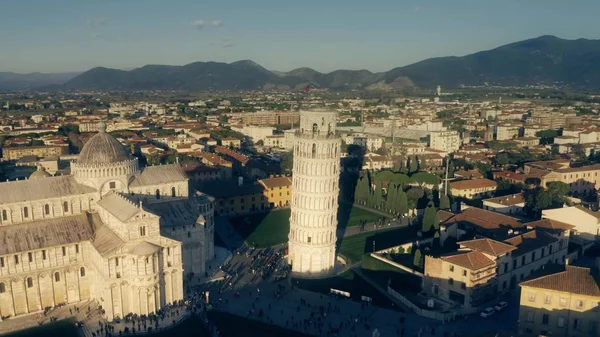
[500,306]
[488,312]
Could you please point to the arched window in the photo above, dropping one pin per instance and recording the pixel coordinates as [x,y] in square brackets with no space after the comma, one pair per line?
[29,282]
[157,194]
[173,192]
[314,150]
[46,209]
[65,206]
[4,215]
[25,212]
[57,277]
[82,272]
[2,288]
[315,128]
[143,231]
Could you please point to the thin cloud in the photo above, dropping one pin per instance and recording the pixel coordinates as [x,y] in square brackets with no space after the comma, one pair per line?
[200,23]
[95,22]
[95,36]
[223,43]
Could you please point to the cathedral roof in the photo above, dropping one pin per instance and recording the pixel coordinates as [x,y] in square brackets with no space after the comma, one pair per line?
[117,205]
[103,149]
[45,233]
[39,173]
[144,248]
[161,174]
[38,189]
[175,213]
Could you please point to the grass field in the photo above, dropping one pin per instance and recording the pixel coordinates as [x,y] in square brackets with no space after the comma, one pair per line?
[268,229]
[264,230]
[353,247]
[349,216]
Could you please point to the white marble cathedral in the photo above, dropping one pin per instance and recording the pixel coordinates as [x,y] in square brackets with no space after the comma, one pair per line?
[314,207]
[108,232]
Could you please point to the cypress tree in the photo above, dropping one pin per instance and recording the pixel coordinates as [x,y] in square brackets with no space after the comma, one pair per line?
[418,259]
[402,202]
[428,218]
[444,202]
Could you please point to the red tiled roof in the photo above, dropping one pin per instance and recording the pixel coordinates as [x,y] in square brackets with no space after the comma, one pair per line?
[473,260]
[488,246]
[574,280]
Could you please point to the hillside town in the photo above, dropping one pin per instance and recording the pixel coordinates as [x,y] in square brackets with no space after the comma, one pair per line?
[468,210]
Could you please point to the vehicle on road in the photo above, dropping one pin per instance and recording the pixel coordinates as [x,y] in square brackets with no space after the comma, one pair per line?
[501,306]
[488,312]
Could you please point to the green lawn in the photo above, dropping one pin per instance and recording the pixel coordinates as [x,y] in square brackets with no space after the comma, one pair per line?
[264,230]
[349,216]
[63,328]
[268,229]
[353,247]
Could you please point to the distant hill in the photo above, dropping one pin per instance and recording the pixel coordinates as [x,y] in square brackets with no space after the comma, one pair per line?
[23,82]
[546,59]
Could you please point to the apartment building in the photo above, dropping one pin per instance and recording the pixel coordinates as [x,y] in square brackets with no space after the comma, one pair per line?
[565,303]
[272,118]
[277,191]
[507,131]
[16,153]
[447,141]
[585,222]
[473,189]
[508,204]
[465,278]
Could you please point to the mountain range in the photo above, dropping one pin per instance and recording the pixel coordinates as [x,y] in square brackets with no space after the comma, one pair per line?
[546,59]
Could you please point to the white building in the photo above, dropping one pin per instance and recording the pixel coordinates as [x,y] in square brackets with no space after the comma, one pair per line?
[316,172]
[109,232]
[447,141]
[586,222]
[256,133]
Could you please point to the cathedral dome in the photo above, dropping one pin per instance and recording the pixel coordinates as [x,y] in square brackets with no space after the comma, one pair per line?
[39,173]
[103,149]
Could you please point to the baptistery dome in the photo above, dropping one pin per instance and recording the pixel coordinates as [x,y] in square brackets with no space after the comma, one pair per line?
[103,149]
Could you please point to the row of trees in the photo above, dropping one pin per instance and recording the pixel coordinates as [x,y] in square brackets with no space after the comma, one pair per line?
[395,196]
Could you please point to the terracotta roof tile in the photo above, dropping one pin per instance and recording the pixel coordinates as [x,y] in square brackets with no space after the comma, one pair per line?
[550,224]
[473,260]
[485,219]
[574,280]
[473,183]
[488,246]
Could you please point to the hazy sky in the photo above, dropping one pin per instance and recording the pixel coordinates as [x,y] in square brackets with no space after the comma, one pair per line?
[75,35]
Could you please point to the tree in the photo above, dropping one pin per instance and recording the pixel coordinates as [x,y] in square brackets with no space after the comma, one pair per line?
[361,192]
[260,142]
[413,195]
[402,203]
[288,162]
[444,202]
[428,218]
[502,159]
[378,195]
[414,165]
[436,239]
[418,259]
[436,222]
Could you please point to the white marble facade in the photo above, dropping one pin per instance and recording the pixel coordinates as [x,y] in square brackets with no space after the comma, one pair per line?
[123,236]
[316,171]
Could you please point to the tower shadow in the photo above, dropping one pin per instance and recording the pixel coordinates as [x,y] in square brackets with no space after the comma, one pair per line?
[351,167]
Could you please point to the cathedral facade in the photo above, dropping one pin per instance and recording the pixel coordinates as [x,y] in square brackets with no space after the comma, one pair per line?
[110,231]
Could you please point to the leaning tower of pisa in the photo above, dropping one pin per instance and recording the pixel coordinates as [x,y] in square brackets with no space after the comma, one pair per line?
[316,172]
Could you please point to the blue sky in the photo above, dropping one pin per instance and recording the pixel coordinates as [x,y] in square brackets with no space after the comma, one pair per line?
[75,35]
